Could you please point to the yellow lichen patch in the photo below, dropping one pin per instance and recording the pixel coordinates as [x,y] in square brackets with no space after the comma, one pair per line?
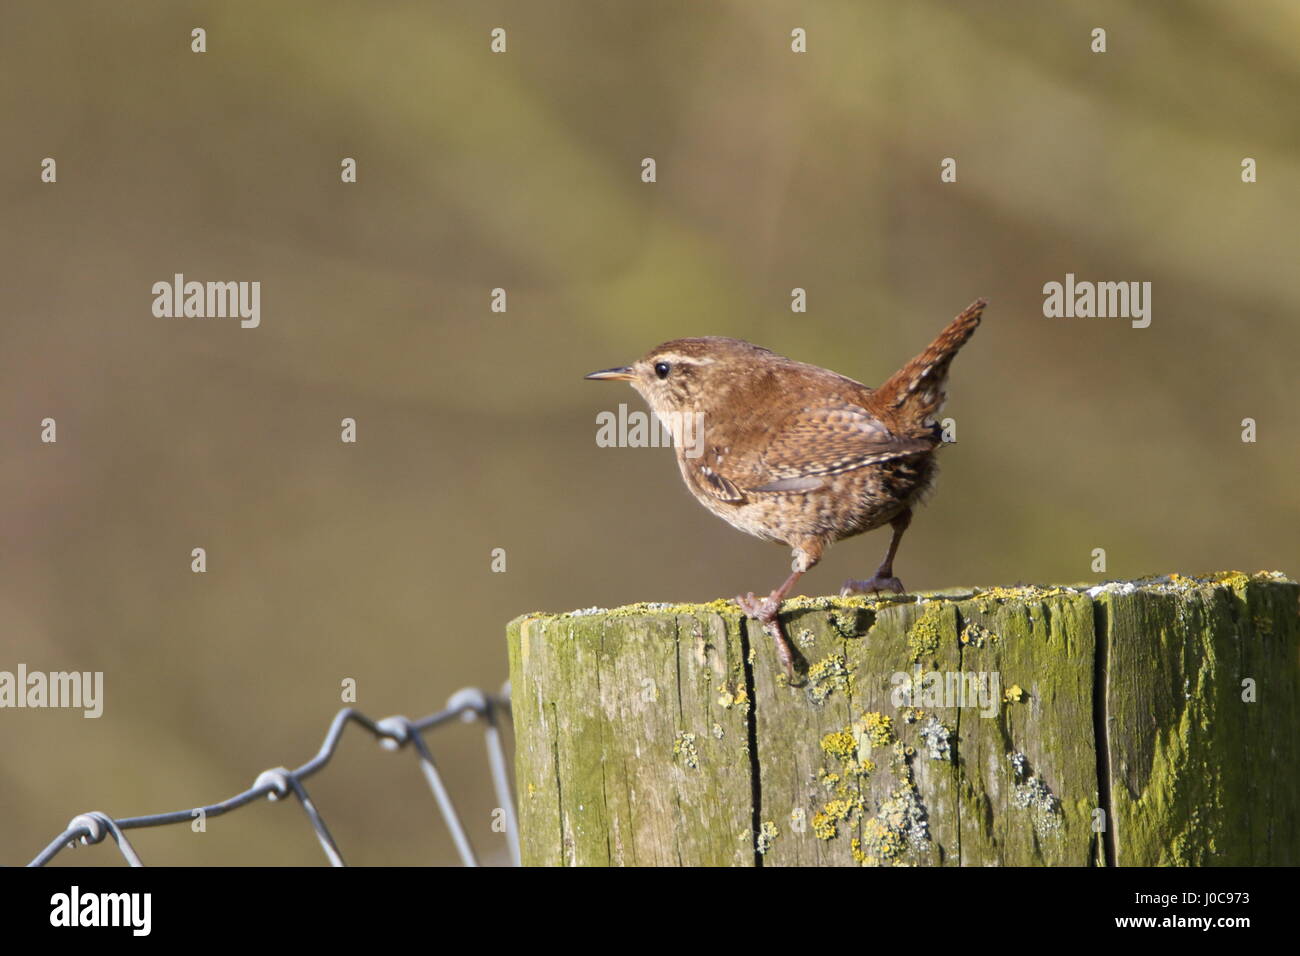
[824,827]
[877,727]
[884,840]
[684,747]
[767,834]
[1024,592]
[845,622]
[898,825]
[1014,694]
[847,801]
[859,857]
[986,598]
[805,603]
[899,757]
[900,820]
[1230,579]
[923,635]
[851,747]
[841,745]
[833,812]
[828,675]
[733,695]
[975,634]
[721,606]
[1182,583]
[828,780]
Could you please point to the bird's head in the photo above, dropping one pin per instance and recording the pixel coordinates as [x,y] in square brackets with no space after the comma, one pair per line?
[690,375]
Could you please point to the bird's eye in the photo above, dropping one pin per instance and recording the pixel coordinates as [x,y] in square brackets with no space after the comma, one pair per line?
[662,369]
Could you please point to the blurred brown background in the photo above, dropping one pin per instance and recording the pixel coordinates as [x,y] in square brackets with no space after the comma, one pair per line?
[476,431]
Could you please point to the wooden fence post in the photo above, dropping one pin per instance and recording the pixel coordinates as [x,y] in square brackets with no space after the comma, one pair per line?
[1145,723]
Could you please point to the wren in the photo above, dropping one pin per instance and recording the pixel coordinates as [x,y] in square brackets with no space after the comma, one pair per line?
[798,454]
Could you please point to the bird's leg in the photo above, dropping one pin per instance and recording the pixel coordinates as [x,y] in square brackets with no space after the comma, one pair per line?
[884,579]
[767,612]
[765,609]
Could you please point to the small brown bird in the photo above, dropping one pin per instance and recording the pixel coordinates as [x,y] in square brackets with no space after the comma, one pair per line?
[798,454]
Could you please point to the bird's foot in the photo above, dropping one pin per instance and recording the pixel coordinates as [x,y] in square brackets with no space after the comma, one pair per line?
[767,612]
[874,586]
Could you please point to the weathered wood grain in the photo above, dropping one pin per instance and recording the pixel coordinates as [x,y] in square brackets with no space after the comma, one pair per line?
[636,749]
[1047,726]
[1202,705]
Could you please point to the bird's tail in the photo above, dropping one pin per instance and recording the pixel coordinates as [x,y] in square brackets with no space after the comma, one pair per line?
[917,390]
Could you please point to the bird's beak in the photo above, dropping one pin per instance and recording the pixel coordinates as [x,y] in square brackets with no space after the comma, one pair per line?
[623,374]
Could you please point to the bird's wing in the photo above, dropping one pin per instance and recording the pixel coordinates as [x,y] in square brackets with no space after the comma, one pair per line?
[719,485]
[819,441]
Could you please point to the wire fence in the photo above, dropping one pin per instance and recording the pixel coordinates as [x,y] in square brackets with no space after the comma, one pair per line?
[393,733]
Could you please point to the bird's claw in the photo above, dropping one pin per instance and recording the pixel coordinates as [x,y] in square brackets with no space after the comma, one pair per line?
[763,609]
[767,612]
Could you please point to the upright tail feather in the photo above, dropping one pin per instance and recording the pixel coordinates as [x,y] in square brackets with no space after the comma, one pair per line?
[916,391]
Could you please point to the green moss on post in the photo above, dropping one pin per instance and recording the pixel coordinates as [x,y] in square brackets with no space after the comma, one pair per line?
[1202,701]
[1144,723]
